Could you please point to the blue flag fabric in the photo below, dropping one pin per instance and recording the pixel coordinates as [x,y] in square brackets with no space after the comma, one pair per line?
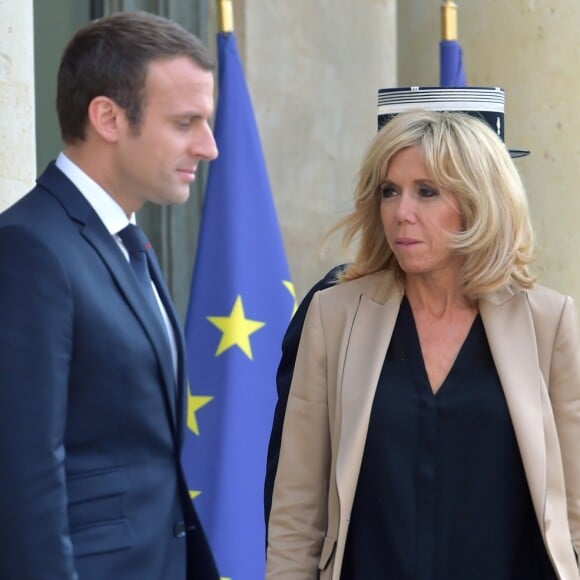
[240,305]
[451,71]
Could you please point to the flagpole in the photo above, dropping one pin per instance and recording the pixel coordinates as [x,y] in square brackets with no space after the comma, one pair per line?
[449,20]
[226,13]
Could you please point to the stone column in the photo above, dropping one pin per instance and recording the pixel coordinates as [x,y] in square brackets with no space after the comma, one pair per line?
[313,68]
[17,137]
[530,48]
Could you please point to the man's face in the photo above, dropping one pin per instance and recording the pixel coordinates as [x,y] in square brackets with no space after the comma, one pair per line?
[157,161]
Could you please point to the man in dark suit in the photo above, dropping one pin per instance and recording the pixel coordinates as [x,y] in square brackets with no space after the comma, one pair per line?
[92,369]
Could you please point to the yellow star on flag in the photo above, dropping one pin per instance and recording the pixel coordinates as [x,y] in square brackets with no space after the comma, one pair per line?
[194,404]
[236,329]
[194,493]
[292,290]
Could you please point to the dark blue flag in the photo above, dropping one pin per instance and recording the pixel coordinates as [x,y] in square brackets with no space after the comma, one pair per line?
[451,71]
[240,305]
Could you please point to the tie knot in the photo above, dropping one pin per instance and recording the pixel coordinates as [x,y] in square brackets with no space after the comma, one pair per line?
[134,239]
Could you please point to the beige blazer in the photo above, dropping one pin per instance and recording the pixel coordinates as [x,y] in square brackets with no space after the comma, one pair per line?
[534,340]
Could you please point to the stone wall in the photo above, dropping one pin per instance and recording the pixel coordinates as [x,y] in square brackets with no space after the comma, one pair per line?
[17,142]
[313,68]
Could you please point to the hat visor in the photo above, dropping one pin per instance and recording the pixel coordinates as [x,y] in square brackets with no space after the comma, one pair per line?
[515,153]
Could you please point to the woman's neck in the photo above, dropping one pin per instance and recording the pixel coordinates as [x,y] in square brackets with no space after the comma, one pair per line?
[435,298]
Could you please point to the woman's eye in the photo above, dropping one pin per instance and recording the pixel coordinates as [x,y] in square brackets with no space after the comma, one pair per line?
[428,192]
[387,191]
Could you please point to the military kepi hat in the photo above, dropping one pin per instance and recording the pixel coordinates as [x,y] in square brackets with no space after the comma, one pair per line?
[486,103]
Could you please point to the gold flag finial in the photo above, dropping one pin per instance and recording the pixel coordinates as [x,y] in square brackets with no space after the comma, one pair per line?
[226,16]
[449,20]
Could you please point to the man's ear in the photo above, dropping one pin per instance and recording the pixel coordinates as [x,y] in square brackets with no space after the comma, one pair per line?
[106,118]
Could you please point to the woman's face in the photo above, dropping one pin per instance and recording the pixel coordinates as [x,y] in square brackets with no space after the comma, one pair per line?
[417,217]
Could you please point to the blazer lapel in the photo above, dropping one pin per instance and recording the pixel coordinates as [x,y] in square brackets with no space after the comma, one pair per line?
[364,355]
[516,359]
[517,364]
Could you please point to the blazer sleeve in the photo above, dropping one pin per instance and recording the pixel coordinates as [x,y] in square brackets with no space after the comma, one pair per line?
[299,508]
[284,379]
[564,385]
[36,322]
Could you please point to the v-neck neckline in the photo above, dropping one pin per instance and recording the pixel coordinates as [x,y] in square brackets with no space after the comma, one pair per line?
[415,344]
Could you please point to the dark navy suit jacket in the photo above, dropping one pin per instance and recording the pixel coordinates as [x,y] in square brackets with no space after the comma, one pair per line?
[91,416]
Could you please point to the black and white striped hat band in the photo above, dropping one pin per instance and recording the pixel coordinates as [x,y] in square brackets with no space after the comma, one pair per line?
[486,103]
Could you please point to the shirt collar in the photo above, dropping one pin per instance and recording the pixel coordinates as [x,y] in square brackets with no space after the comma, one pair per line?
[108,210]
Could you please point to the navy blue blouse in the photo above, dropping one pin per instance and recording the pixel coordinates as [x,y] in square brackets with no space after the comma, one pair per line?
[442,493]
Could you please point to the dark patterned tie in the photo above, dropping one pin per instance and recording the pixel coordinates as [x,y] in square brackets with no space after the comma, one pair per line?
[137,244]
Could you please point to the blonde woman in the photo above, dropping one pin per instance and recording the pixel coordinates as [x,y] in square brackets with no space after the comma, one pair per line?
[432,425]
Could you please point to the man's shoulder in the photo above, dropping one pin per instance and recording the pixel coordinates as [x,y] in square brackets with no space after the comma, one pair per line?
[35,195]
[33,208]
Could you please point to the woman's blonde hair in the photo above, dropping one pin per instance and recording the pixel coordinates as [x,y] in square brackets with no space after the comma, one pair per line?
[465,156]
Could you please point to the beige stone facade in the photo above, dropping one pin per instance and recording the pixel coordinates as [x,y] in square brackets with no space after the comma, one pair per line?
[313,68]
[17,142]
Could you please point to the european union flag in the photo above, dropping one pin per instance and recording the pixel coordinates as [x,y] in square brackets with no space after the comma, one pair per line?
[451,71]
[240,305]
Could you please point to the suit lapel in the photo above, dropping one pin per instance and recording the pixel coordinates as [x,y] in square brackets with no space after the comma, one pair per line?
[364,355]
[510,332]
[95,233]
[164,294]
[107,248]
